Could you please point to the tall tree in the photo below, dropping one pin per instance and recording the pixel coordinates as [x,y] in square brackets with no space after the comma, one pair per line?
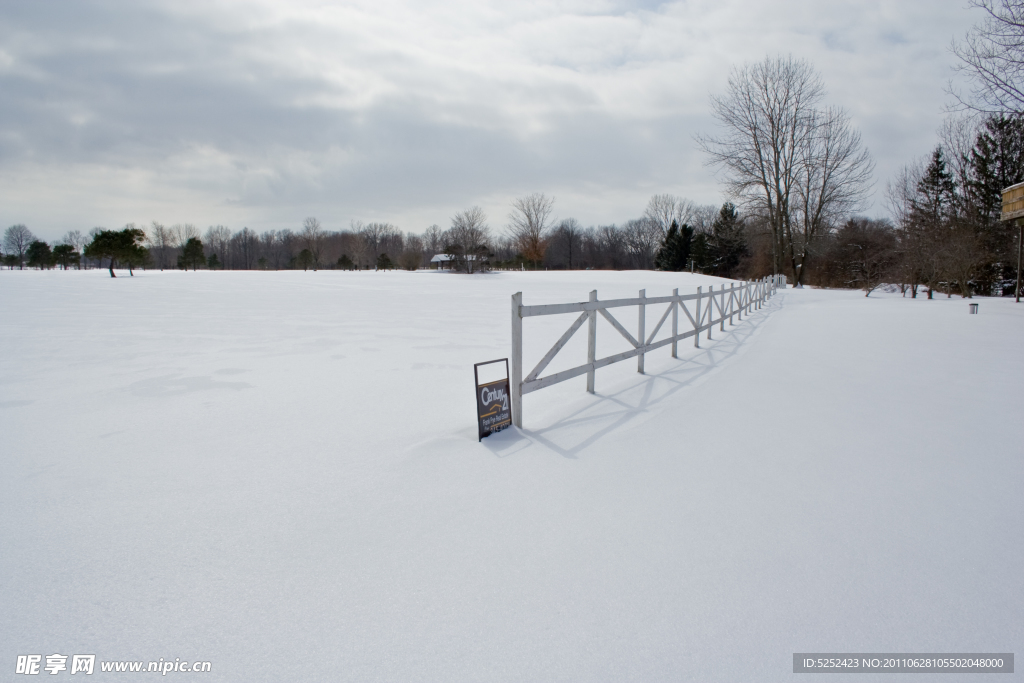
[567,239]
[66,255]
[674,253]
[313,236]
[727,244]
[466,241]
[529,223]
[39,255]
[16,241]
[117,246]
[192,254]
[161,241]
[767,114]
[834,172]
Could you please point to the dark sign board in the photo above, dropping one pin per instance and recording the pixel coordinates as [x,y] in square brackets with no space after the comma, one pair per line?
[493,402]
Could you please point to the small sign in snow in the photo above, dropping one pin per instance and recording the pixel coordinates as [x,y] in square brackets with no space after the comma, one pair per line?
[493,401]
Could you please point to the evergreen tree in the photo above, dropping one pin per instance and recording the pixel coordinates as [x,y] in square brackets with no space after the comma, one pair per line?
[996,162]
[65,255]
[727,244]
[305,259]
[118,246]
[192,253]
[700,252]
[936,191]
[674,253]
[39,255]
[344,262]
[384,262]
[213,262]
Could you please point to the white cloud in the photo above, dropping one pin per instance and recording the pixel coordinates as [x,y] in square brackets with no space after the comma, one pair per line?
[261,113]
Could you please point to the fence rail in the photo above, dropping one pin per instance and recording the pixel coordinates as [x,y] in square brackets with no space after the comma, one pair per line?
[734,301]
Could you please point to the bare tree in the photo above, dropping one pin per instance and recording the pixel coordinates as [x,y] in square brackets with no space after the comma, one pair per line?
[702,218]
[412,255]
[767,114]
[77,240]
[642,237]
[568,237]
[217,239]
[992,55]
[466,241]
[160,241]
[663,209]
[182,233]
[16,241]
[377,237]
[313,236]
[610,243]
[528,225]
[246,243]
[833,176]
[432,240]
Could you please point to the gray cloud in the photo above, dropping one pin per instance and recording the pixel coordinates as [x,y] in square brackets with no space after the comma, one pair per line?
[261,113]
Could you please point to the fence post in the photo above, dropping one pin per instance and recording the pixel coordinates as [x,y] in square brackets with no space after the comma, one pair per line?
[732,302]
[641,336]
[675,320]
[721,311]
[591,343]
[700,320]
[517,359]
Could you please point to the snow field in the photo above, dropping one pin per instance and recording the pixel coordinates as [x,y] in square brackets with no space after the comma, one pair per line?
[279,473]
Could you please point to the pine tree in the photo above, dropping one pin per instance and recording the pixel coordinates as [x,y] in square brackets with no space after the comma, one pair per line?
[996,162]
[674,253]
[65,255]
[118,246]
[39,255]
[192,253]
[727,244]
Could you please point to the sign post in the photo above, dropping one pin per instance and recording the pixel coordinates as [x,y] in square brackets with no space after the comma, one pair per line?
[493,402]
[1013,210]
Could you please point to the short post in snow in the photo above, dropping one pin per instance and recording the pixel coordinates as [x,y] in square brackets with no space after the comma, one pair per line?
[517,359]
[696,333]
[732,301]
[641,336]
[675,319]
[721,311]
[591,342]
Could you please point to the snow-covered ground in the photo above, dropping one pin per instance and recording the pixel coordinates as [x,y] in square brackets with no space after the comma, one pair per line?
[279,473]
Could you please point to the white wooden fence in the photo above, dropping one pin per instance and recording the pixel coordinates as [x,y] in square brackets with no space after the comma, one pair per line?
[736,300]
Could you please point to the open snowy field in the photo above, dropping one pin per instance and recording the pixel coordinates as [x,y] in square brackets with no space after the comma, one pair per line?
[278,473]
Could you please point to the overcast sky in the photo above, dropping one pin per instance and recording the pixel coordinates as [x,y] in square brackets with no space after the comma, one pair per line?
[261,113]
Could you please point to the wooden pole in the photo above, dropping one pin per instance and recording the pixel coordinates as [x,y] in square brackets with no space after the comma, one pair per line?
[675,320]
[641,336]
[1020,252]
[591,343]
[721,312]
[517,359]
[696,331]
